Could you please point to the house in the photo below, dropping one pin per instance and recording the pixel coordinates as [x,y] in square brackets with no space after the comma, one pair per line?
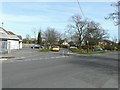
[106,42]
[3,41]
[65,44]
[9,41]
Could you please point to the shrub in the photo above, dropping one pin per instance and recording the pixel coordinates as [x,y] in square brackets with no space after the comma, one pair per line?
[109,47]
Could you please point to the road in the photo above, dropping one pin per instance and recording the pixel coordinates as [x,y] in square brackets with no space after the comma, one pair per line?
[73,71]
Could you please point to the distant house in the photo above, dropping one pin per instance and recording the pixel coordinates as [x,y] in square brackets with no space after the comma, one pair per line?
[65,44]
[106,42]
[9,40]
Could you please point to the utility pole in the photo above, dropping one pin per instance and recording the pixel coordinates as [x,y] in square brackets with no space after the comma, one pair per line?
[118,21]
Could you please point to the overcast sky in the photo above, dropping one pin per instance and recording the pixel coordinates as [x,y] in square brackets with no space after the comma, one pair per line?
[24,17]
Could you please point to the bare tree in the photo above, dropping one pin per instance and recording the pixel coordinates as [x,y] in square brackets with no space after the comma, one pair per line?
[95,33]
[28,37]
[78,28]
[51,36]
[115,16]
[84,31]
[114,39]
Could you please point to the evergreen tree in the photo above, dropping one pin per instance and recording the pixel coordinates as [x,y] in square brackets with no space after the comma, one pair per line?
[39,38]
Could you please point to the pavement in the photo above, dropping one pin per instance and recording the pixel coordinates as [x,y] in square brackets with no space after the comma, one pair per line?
[28,53]
[54,70]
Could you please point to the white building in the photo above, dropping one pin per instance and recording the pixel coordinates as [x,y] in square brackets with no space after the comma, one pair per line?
[9,41]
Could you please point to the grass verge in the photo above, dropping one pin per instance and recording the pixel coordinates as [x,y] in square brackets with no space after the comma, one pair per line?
[44,50]
[79,51]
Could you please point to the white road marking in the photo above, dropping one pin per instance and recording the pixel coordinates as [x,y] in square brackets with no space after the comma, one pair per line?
[35,59]
[1,59]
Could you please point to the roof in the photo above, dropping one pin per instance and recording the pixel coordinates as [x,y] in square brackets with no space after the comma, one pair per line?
[20,37]
[13,37]
[108,41]
[4,30]
[4,34]
[11,33]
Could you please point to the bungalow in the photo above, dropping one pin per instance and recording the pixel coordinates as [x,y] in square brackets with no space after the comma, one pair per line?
[9,41]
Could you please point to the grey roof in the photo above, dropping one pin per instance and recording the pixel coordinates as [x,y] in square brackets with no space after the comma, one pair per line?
[8,35]
[3,34]
[13,37]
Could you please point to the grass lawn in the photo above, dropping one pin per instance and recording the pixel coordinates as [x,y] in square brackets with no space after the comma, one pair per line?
[44,50]
[79,51]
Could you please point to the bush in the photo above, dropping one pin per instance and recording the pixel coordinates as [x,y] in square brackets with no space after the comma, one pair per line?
[89,51]
[109,47]
[118,48]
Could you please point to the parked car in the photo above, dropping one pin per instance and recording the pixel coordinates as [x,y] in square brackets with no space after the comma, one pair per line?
[36,46]
[55,48]
[98,49]
[73,47]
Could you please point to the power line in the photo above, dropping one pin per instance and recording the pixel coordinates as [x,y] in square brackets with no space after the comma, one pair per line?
[80,8]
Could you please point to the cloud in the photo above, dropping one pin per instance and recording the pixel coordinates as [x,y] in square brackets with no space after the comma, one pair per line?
[23,18]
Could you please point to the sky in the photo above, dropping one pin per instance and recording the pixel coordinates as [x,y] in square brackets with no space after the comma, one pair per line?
[26,17]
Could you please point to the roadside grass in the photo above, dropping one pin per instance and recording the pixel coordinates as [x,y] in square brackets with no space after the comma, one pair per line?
[44,50]
[80,51]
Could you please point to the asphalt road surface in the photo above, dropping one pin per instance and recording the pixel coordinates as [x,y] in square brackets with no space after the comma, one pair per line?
[73,71]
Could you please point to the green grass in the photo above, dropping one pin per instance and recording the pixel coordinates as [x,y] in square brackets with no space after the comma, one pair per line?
[79,51]
[44,50]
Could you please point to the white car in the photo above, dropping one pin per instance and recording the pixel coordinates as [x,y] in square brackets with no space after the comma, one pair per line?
[36,46]
[73,47]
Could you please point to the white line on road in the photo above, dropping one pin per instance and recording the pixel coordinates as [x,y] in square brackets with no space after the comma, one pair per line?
[1,59]
[35,59]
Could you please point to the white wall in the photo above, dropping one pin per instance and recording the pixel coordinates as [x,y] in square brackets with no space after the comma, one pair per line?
[12,44]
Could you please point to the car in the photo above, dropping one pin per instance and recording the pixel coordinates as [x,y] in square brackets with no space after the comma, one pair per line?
[36,46]
[98,49]
[73,47]
[55,48]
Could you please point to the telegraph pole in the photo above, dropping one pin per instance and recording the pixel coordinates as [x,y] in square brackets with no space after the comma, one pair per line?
[118,40]
[118,21]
